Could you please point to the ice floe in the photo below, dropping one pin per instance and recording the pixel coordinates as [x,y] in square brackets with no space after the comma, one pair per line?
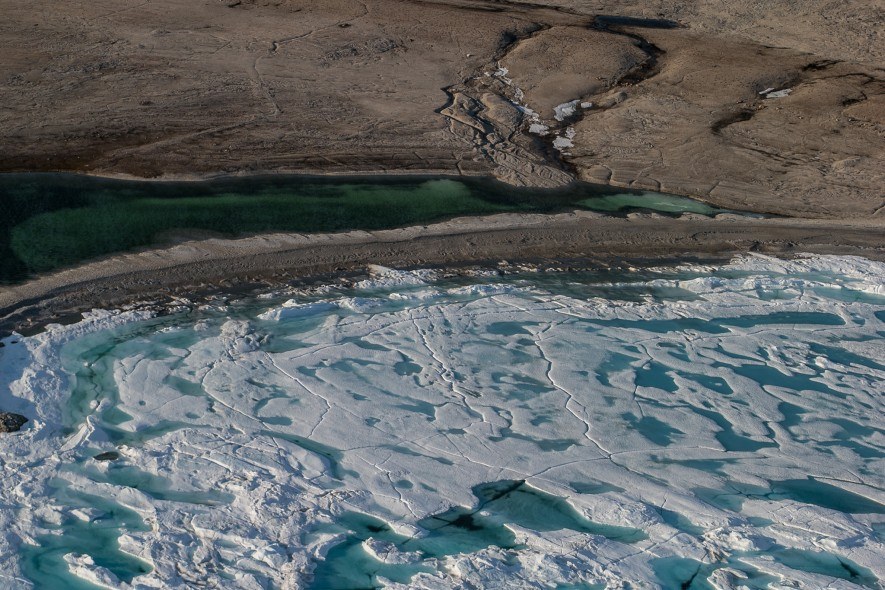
[693,426]
[565,141]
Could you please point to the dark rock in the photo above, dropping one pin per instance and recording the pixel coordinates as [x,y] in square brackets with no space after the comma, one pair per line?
[10,422]
[107,456]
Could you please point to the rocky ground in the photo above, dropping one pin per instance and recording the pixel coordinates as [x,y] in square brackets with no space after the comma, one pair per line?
[10,422]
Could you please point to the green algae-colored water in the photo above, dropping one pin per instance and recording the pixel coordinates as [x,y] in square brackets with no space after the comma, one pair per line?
[48,221]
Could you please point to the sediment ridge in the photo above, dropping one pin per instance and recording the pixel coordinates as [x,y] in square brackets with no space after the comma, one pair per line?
[576,238]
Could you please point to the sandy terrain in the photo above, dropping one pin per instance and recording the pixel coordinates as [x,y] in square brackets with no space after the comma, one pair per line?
[177,88]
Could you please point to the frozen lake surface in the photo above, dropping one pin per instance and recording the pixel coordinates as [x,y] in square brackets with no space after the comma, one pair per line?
[689,427]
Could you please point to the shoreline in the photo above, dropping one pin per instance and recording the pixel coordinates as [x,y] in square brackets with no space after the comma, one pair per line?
[442,293]
[270,173]
[267,261]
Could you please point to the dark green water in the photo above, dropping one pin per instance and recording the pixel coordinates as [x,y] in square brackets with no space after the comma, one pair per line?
[49,221]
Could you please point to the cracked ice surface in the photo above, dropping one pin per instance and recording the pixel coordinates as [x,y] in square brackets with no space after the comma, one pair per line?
[697,427]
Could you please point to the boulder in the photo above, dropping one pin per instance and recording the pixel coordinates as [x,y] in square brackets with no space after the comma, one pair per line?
[10,422]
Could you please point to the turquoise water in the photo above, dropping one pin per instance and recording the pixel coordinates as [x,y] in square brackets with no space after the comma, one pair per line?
[460,530]
[624,422]
[53,220]
[97,536]
[690,574]
[654,201]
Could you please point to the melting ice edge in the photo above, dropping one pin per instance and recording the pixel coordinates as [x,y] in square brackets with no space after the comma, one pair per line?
[690,427]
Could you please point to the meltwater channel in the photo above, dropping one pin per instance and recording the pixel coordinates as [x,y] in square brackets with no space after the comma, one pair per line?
[689,427]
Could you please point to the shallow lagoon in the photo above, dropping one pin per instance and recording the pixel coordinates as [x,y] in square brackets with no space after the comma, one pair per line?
[53,220]
[669,427]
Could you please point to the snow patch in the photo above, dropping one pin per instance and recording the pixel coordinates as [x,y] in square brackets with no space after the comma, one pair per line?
[565,110]
[772,93]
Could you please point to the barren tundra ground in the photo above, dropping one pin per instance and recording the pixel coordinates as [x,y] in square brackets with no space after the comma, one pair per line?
[174,88]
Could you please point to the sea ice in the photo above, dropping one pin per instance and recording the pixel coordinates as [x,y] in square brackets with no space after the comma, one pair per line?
[694,426]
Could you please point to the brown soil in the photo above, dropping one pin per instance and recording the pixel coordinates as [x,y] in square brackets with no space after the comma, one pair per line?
[175,88]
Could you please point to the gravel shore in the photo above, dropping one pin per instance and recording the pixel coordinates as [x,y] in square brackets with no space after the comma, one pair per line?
[266,261]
